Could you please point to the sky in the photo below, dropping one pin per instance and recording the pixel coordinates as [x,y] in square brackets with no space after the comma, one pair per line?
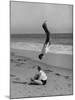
[27,18]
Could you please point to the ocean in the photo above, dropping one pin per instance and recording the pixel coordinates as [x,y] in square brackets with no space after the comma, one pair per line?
[66,39]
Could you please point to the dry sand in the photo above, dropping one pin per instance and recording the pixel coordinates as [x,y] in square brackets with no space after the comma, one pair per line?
[23,67]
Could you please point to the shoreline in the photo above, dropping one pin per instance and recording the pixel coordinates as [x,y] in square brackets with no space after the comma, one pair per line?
[59,60]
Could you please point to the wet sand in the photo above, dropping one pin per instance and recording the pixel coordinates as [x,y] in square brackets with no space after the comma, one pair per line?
[23,67]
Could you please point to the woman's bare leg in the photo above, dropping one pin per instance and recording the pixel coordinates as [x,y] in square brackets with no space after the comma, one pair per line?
[35,82]
[38,82]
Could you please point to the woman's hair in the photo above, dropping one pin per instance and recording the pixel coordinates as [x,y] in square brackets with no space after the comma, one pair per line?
[39,68]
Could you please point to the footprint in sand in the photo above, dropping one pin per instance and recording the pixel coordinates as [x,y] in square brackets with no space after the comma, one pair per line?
[19,64]
[11,75]
[66,77]
[57,74]
[17,78]
[48,71]
[19,82]
[12,54]
[69,85]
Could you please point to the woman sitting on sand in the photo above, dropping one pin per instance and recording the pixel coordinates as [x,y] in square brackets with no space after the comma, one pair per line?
[40,78]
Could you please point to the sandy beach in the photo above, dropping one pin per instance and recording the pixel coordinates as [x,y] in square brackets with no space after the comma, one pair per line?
[58,55]
[35,26]
[23,66]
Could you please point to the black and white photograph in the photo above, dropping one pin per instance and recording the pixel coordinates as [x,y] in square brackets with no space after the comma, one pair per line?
[41,49]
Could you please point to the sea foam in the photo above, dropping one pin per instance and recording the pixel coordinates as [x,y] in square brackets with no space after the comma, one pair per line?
[54,48]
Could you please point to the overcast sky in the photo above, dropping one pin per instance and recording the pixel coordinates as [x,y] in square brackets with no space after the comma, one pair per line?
[28,18]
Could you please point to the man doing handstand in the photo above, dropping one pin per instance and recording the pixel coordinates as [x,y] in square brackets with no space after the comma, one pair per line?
[47,41]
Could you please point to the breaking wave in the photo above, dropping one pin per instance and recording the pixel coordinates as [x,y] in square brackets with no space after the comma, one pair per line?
[54,48]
